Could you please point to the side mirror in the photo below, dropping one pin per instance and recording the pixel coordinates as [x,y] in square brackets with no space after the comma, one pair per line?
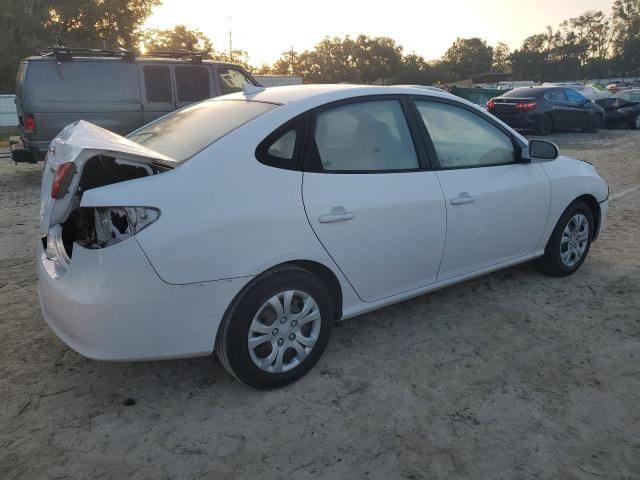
[543,150]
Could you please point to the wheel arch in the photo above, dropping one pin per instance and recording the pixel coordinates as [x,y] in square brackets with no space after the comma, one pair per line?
[593,204]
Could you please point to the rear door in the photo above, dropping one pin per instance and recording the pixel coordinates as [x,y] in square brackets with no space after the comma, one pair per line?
[580,116]
[377,213]
[561,110]
[157,91]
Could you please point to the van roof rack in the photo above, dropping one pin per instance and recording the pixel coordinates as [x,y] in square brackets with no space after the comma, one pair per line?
[65,54]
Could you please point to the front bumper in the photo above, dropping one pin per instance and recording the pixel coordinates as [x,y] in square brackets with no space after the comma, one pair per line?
[111,305]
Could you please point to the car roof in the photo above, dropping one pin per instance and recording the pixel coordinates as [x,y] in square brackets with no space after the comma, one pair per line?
[324,93]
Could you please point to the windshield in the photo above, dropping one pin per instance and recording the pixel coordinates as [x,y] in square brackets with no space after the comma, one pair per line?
[629,95]
[184,133]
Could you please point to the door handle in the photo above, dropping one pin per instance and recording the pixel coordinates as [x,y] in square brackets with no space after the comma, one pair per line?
[338,214]
[463,198]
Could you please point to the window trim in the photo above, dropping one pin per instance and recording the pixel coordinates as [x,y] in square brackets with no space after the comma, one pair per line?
[311,159]
[518,146]
[299,123]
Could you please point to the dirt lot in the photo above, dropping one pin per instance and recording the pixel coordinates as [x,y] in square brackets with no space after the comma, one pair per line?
[511,376]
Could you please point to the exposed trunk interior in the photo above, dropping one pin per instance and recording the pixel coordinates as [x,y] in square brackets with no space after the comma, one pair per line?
[80,226]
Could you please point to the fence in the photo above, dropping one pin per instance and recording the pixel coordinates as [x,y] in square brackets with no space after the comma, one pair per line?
[8,115]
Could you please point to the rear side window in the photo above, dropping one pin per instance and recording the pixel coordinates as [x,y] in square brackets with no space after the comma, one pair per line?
[232,80]
[157,83]
[556,96]
[365,136]
[192,84]
[20,78]
[184,133]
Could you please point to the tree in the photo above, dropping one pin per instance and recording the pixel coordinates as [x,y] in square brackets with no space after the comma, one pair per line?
[626,33]
[468,56]
[97,23]
[500,61]
[177,39]
[27,26]
[377,59]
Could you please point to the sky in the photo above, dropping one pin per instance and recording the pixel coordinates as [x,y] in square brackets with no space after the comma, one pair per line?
[267,28]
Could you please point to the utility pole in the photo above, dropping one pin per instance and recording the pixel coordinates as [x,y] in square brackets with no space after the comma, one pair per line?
[292,62]
[230,43]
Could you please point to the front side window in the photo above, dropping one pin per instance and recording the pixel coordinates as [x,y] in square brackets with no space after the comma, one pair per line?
[232,80]
[185,132]
[575,97]
[464,139]
[192,84]
[157,83]
[365,136]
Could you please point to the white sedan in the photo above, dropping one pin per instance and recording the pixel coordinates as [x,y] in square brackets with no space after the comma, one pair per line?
[248,224]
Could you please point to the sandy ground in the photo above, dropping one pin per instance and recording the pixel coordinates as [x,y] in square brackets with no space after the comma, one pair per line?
[511,376]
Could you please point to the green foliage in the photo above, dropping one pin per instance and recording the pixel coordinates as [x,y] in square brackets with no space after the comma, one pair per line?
[468,56]
[27,26]
[177,39]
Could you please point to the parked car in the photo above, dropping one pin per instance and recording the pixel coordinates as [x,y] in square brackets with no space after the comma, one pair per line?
[618,87]
[587,91]
[197,232]
[623,108]
[547,109]
[115,89]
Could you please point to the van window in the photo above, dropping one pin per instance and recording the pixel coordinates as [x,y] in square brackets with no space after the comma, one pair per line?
[82,81]
[232,80]
[157,83]
[192,84]
[20,78]
[183,133]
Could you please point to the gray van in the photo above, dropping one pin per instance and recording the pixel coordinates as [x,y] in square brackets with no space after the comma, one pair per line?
[115,89]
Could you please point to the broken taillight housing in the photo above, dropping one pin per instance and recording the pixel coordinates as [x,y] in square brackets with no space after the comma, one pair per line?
[115,224]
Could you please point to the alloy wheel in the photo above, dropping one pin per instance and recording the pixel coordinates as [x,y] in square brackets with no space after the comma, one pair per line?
[284,331]
[574,240]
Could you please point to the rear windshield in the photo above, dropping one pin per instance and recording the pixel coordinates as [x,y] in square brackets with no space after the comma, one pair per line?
[525,92]
[184,133]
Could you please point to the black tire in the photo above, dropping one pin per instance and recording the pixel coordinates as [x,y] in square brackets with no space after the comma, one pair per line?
[595,123]
[545,125]
[635,123]
[231,343]
[552,263]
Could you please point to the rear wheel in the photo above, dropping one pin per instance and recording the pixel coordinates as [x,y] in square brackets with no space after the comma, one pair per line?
[594,123]
[545,125]
[277,329]
[570,241]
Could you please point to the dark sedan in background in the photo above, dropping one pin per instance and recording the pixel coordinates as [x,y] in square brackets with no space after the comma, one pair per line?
[623,108]
[545,109]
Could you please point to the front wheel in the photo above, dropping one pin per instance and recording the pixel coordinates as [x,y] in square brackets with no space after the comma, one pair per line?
[570,241]
[635,123]
[277,329]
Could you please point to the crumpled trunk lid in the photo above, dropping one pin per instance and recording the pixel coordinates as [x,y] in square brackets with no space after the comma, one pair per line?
[77,143]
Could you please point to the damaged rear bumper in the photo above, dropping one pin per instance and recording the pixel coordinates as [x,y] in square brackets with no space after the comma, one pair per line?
[111,305]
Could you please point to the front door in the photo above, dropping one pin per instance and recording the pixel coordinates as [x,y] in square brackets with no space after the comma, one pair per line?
[378,215]
[496,205]
[580,112]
